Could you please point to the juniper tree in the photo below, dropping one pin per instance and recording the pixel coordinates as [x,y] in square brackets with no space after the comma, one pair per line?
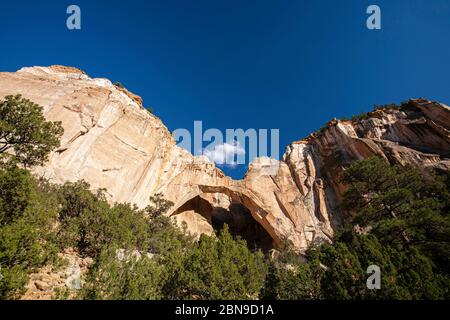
[25,135]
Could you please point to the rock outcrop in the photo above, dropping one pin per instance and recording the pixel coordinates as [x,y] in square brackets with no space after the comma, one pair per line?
[112,142]
[45,282]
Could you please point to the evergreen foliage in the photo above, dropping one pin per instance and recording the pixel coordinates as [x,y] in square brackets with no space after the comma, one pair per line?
[25,135]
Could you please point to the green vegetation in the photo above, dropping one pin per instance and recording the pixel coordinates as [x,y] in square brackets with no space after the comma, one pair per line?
[290,278]
[27,214]
[27,209]
[365,115]
[404,215]
[398,219]
[89,223]
[119,85]
[222,268]
[405,212]
[25,136]
[356,118]
[136,278]
[39,219]
[390,106]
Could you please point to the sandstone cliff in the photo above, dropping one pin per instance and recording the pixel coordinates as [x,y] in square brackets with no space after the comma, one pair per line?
[112,142]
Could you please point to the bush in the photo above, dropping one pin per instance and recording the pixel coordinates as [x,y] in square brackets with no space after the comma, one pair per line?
[390,106]
[96,229]
[27,217]
[405,274]
[135,277]
[359,117]
[89,222]
[221,268]
[289,278]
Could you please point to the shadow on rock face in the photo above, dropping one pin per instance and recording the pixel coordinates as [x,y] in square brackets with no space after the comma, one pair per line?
[200,217]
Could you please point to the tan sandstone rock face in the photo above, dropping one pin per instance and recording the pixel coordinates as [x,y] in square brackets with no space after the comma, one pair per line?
[111,142]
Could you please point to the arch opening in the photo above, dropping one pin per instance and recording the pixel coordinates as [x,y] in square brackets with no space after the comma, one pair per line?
[209,213]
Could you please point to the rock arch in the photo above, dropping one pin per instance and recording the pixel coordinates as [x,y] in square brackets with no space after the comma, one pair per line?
[209,207]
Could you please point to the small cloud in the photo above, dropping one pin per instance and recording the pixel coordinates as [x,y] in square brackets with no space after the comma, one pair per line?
[224,154]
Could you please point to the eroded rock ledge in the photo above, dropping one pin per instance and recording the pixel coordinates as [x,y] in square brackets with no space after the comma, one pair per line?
[112,142]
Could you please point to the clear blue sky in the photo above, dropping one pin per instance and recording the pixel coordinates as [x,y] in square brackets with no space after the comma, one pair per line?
[291,65]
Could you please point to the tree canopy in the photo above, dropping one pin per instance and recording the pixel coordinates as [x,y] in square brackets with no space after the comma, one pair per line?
[25,135]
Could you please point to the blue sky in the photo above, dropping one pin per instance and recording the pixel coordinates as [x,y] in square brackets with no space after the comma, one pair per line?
[291,65]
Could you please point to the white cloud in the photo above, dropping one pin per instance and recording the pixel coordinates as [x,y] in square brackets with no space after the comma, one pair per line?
[224,154]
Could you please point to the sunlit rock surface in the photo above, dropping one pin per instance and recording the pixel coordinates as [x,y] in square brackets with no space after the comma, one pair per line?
[112,142]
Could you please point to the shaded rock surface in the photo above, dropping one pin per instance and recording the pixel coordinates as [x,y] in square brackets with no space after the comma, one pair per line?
[112,142]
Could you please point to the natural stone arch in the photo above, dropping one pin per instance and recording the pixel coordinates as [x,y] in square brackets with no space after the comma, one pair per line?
[199,196]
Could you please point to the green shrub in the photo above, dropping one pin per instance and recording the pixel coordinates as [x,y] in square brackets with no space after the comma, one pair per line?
[356,118]
[390,106]
[289,278]
[405,214]
[135,277]
[89,222]
[359,117]
[27,219]
[25,135]
[221,268]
